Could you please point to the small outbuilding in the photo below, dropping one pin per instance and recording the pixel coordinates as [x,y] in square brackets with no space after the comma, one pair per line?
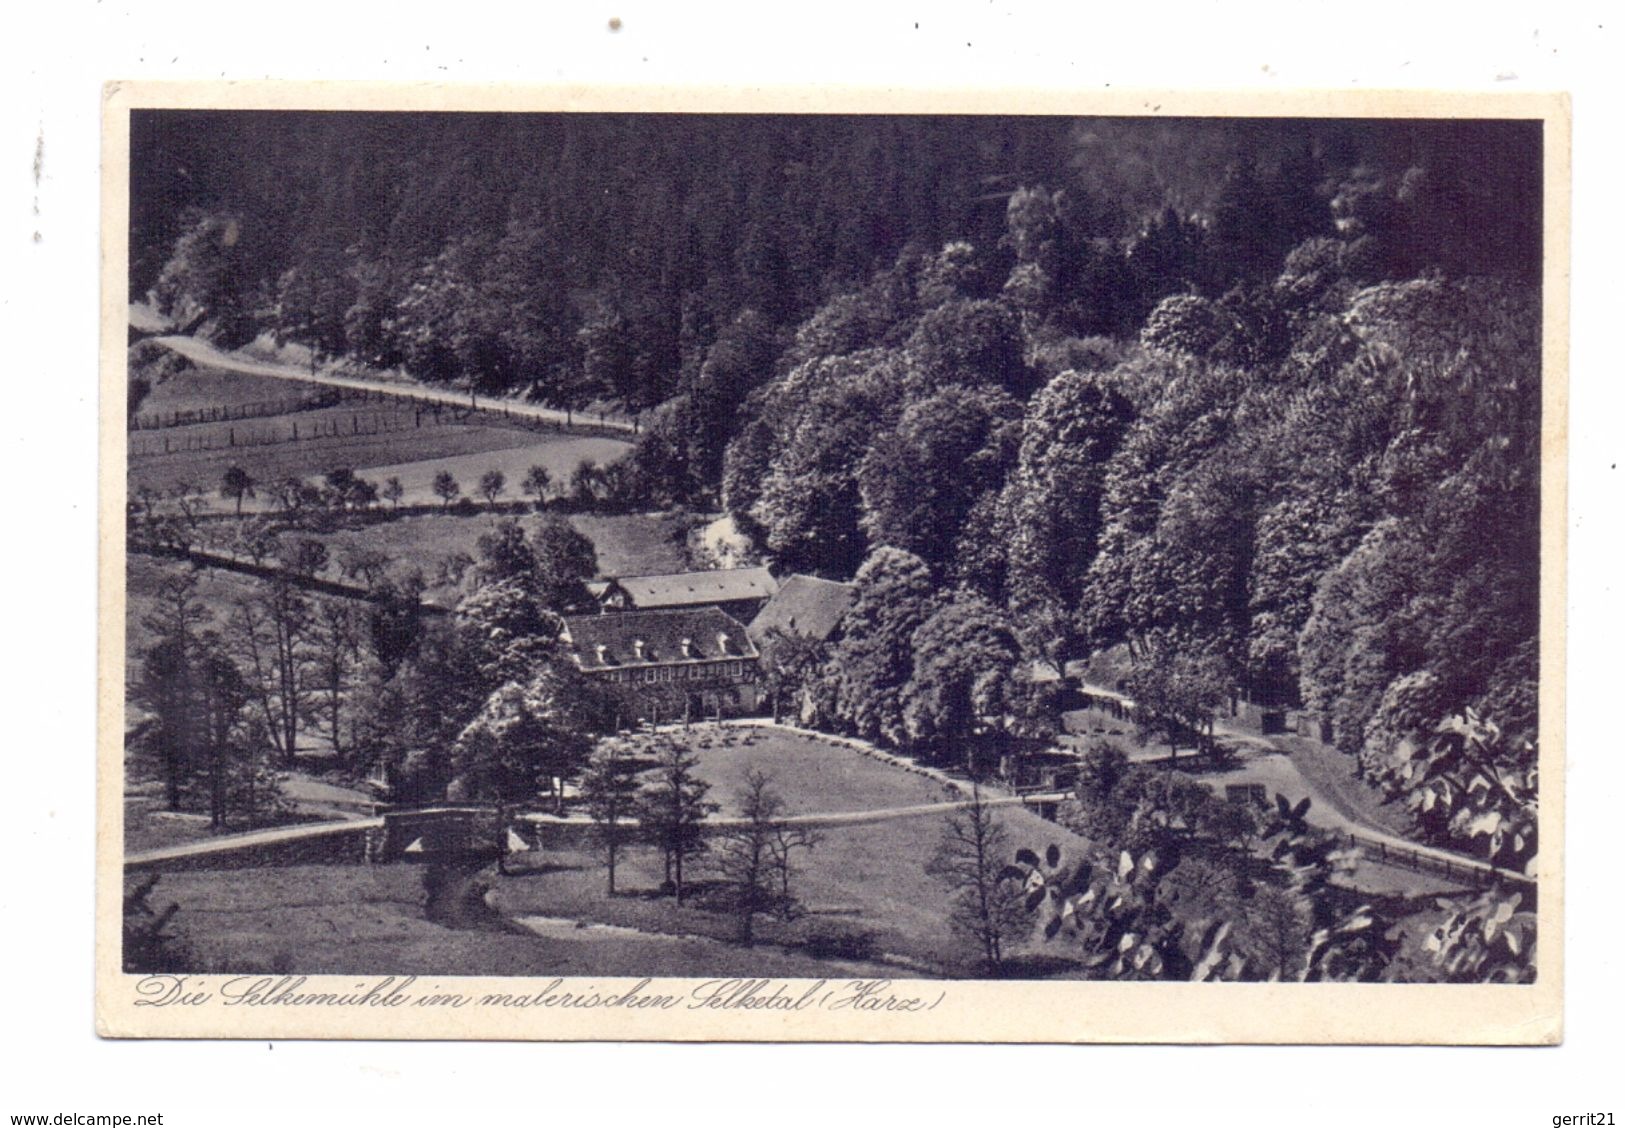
[806,606]
[740,592]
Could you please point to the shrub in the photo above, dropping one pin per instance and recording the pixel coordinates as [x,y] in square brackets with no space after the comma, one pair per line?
[841,942]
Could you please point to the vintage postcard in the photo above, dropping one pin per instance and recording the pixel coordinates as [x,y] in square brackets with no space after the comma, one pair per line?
[648,564]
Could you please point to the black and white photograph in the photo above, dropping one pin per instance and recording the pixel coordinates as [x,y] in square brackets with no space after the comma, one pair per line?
[813,562]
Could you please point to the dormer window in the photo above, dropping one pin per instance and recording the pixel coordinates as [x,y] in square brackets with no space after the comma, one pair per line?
[722,642]
[637,649]
[600,651]
[688,647]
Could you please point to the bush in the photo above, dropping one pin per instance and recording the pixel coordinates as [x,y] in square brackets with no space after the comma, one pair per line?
[841,942]
[149,946]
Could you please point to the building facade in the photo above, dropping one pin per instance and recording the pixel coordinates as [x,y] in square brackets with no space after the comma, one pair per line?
[668,665]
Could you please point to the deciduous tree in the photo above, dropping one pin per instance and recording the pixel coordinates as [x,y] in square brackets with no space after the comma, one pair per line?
[536,483]
[492,483]
[674,810]
[446,488]
[612,793]
[874,659]
[986,906]
[527,734]
[235,485]
[744,854]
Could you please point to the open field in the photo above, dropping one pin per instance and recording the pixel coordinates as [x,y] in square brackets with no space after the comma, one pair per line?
[148,827]
[626,544]
[813,776]
[199,389]
[869,878]
[635,544]
[858,879]
[415,456]
[354,421]
[374,920]
[308,458]
[559,454]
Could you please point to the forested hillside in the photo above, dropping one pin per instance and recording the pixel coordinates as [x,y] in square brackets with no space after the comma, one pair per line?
[1044,387]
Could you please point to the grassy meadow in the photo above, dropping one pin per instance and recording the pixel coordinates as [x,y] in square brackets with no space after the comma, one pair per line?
[363,920]
[379,440]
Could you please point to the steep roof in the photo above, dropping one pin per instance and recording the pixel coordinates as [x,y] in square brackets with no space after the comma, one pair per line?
[804,605]
[712,636]
[685,589]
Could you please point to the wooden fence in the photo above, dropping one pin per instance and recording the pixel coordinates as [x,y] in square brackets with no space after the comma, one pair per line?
[358,424]
[410,412]
[1469,870]
[228,412]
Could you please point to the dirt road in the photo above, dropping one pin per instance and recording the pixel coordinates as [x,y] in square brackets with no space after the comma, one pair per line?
[203,353]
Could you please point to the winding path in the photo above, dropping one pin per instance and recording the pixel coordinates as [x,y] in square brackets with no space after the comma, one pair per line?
[1323,811]
[1272,765]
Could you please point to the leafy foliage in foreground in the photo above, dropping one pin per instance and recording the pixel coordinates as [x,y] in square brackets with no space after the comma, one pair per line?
[1189,899]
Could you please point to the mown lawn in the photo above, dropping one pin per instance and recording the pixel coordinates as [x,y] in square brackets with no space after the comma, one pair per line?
[813,775]
[869,878]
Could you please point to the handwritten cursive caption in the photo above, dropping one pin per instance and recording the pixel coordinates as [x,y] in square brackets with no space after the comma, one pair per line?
[858,996]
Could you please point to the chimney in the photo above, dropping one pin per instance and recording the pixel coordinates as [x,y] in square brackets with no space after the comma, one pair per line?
[637,649]
[688,648]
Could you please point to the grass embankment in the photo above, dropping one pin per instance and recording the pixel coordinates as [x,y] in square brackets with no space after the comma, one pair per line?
[861,879]
[374,920]
[199,389]
[400,448]
[1332,774]
[625,544]
[417,454]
